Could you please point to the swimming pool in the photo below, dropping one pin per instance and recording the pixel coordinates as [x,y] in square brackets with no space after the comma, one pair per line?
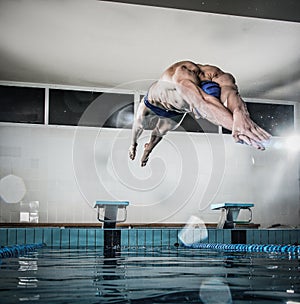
[153,275]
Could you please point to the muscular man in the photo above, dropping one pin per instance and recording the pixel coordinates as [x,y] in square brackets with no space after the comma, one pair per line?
[203,90]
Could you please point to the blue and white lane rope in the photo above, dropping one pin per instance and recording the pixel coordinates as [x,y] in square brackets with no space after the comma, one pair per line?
[17,250]
[247,247]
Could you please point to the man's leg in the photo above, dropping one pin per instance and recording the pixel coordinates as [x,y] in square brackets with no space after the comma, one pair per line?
[164,125]
[138,128]
[154,140]
[137,131]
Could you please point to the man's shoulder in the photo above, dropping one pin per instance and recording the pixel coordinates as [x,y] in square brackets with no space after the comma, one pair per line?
[209,66]
[182,63]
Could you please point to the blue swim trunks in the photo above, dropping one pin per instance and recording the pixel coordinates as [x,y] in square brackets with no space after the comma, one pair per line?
[159,111]
[209,87]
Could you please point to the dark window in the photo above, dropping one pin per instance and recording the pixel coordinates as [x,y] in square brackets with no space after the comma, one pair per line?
[94,109]
[277,119]
[189,124]
[22,104]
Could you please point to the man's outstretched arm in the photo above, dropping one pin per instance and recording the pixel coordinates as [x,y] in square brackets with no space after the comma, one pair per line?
[186,80]
[242,123]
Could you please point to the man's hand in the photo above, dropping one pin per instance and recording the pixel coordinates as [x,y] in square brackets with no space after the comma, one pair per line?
[247,131]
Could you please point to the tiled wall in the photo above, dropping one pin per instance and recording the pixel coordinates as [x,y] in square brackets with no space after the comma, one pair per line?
[67,169]
[91,237]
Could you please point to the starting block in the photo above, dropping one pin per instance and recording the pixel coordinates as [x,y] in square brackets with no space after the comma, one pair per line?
[107,212]
[230,212]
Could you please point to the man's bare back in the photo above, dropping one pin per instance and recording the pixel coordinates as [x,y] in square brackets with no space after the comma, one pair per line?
[179,91]
[213,73]
[165,92]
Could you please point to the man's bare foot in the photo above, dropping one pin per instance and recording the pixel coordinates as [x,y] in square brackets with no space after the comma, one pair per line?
[145,156]
[144,162]
[132,151]
[144,159]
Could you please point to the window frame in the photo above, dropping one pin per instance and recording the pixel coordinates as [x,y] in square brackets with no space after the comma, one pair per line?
[138,94]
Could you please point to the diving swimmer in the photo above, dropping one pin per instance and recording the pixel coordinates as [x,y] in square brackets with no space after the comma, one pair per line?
[202,90]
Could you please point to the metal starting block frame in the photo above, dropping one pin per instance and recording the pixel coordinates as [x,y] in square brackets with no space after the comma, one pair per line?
[230,212]
[107,211]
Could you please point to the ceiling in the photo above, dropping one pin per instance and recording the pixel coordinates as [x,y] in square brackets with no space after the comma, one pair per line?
[286,10]
[110,44]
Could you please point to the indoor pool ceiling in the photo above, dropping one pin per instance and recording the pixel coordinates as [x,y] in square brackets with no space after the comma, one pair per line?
[110,44]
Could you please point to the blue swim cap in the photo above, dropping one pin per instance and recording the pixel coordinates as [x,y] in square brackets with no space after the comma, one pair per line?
[211,88]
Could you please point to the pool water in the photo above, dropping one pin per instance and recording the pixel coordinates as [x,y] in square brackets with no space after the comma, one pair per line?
[176,275]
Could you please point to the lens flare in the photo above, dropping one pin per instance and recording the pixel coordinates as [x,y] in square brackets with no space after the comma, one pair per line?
[293,143]
[12,189]
[193,232]
[215,291]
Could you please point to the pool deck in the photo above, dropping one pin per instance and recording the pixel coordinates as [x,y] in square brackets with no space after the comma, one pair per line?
[119,225]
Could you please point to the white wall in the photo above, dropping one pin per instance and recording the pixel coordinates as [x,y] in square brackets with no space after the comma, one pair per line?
[67,169]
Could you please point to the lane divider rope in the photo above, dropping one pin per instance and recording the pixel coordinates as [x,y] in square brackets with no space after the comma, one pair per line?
[17,250]
[247,247]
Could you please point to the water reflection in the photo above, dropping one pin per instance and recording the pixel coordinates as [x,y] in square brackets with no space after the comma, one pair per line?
[150,276]
[215,291]
[27,282]
[110,278]
[29,264]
